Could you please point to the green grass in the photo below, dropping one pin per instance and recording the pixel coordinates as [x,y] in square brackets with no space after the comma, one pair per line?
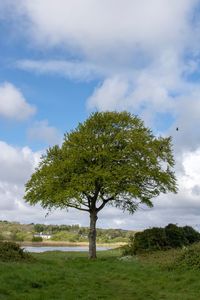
[71,276]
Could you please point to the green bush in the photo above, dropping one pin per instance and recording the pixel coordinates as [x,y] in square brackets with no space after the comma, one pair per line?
[129,249]
[175,236]
[1,237]
[17,237]
[150,239]
[191,234]
[157,238]
[37,239]
[10,251]
[189,258]
[65,236]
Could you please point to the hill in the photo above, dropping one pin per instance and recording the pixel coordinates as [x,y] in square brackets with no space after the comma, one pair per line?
[15,231]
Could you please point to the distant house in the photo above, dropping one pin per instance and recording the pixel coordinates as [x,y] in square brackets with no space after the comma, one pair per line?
[43,235]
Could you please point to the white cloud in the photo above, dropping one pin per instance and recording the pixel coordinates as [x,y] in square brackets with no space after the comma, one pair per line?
[146,52]
[110,95]
[13,105]
[103,28]
[41,131]
[16,163]
[183,208]
[69,69]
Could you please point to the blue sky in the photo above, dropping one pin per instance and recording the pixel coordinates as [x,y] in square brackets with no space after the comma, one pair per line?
[61,60]
[58,100]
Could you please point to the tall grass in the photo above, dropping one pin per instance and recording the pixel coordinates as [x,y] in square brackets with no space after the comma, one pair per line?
[71,276]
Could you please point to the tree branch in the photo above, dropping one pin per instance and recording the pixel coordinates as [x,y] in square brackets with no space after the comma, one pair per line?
[105,201]
[89,198]
[97,190]
[85,204]
[79,208]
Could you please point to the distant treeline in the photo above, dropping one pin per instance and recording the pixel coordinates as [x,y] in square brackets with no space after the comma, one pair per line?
[71,233]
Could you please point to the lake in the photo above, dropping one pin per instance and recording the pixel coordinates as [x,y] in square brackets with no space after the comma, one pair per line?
[39,249]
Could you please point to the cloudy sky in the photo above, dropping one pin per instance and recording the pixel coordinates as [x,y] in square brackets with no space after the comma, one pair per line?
[60,60]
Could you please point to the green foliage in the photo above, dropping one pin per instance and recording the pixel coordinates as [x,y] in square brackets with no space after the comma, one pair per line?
[189,258]
[110,158]
[54,228]
[151,239]
[129,249]
[24,232]
[10,251]
[14,231]
[39,228]
[65,236]
[156,238]
[175,236]
[17,236]
[37,239]
[1,237]
[191,234]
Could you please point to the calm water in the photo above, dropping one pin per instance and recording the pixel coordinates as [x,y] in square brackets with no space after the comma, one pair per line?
[56,248]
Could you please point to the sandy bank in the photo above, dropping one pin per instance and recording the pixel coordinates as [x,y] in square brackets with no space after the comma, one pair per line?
[68,244]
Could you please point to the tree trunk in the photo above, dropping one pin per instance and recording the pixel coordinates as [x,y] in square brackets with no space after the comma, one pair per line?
[92,235]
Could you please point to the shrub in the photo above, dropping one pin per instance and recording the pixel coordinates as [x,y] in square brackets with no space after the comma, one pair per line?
[191,234]
[1,237]
[157,238]
[175,236]
[189,258]
[10,251]
[129,249]
[65,236]
[17,237]
[37,239]
[150,239]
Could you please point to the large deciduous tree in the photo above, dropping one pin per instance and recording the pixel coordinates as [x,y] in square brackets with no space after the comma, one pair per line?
[110,159]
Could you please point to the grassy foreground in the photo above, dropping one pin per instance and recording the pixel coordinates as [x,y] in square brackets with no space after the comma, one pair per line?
[71,276]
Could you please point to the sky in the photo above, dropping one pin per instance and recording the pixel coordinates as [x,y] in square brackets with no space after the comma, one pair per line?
[61,60]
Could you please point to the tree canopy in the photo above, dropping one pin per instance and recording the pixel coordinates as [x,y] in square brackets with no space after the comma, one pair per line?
[110,159]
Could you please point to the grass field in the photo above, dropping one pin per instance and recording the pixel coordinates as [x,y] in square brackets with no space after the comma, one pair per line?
[63,276]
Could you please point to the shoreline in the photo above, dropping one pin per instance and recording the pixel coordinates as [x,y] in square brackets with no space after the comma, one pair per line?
[68,244]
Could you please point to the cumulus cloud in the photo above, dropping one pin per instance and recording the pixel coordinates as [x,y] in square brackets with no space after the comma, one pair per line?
[70,69]
[101,28]
[146,55]
[13,105]
[143,52]
[41,131]
[17,164]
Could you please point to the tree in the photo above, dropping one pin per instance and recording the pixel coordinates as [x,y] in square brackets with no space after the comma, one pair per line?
[110,159]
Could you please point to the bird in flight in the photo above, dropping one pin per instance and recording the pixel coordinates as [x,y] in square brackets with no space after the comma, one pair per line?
[176,128]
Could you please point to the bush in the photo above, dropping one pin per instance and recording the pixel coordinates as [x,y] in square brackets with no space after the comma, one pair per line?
[191,234]
[129,249]
[189,258]
[175,236]
[65,236]
[1,237]
[37,239]
[150,239]
[17,237]
[157,238]
[10,251]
